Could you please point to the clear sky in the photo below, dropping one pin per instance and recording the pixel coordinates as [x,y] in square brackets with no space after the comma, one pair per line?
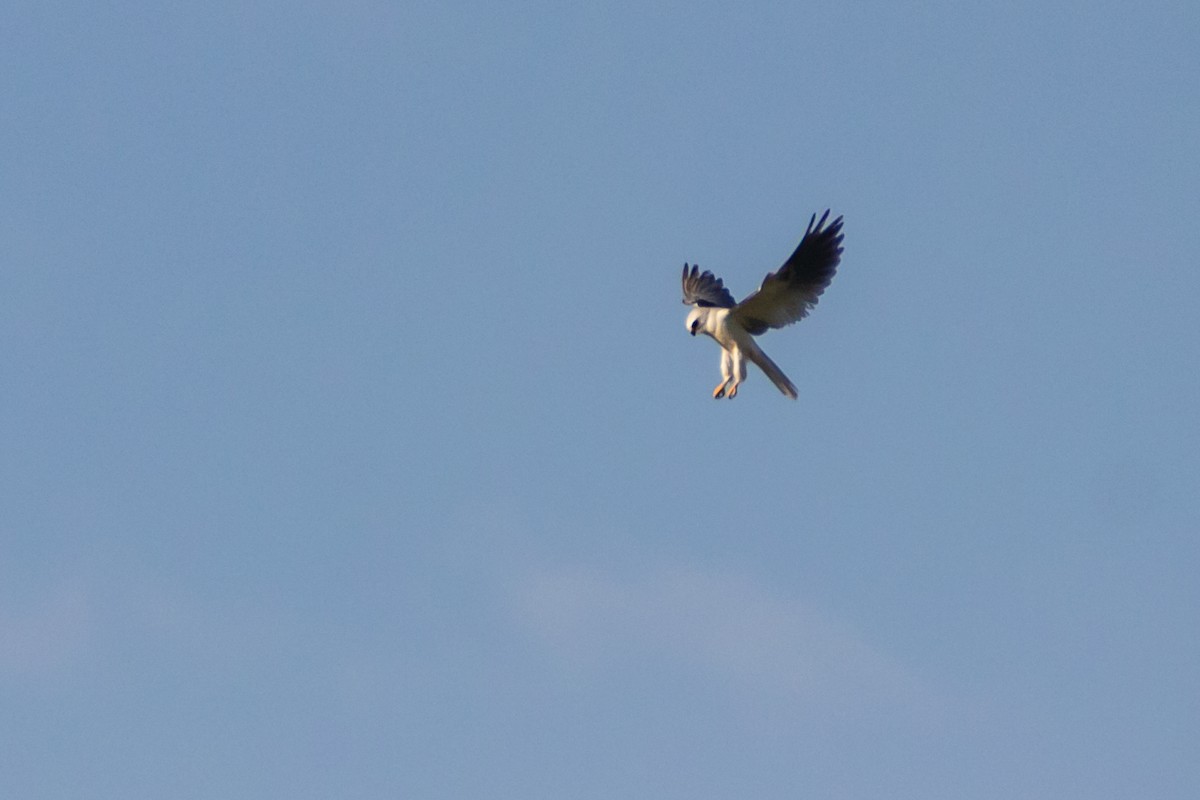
[353,445]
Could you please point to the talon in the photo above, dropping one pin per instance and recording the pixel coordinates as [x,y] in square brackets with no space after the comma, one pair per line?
[719,392]
[732,392]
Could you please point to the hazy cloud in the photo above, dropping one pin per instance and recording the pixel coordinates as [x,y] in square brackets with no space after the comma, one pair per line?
[726,625]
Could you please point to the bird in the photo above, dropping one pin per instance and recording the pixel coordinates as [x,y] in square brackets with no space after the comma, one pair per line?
[785,296]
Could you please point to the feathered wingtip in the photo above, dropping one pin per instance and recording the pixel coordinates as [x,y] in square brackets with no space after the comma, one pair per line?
[704,288]
[685,282]
[813,225]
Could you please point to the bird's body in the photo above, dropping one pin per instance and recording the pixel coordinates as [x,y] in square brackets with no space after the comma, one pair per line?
[786,296]
[737,345]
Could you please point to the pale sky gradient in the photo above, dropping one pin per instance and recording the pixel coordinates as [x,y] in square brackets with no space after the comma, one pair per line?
[352,445]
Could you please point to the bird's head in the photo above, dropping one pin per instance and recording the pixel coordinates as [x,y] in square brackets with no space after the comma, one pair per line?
[695,320]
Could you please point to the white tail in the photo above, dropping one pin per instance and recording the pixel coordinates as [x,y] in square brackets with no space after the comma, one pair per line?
[773,372]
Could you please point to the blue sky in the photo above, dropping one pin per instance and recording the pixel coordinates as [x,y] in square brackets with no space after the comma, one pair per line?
[353,445]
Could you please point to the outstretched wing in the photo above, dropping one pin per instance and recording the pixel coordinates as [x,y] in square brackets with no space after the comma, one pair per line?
[704,289]
[789,293]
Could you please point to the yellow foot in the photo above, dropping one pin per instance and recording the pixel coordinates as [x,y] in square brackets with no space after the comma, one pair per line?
[733,391]
[719,392]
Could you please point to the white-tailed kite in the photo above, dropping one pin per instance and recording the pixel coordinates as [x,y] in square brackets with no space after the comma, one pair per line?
[786,296]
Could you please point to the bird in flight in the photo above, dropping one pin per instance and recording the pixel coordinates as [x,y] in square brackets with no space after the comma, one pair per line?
[786,296]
